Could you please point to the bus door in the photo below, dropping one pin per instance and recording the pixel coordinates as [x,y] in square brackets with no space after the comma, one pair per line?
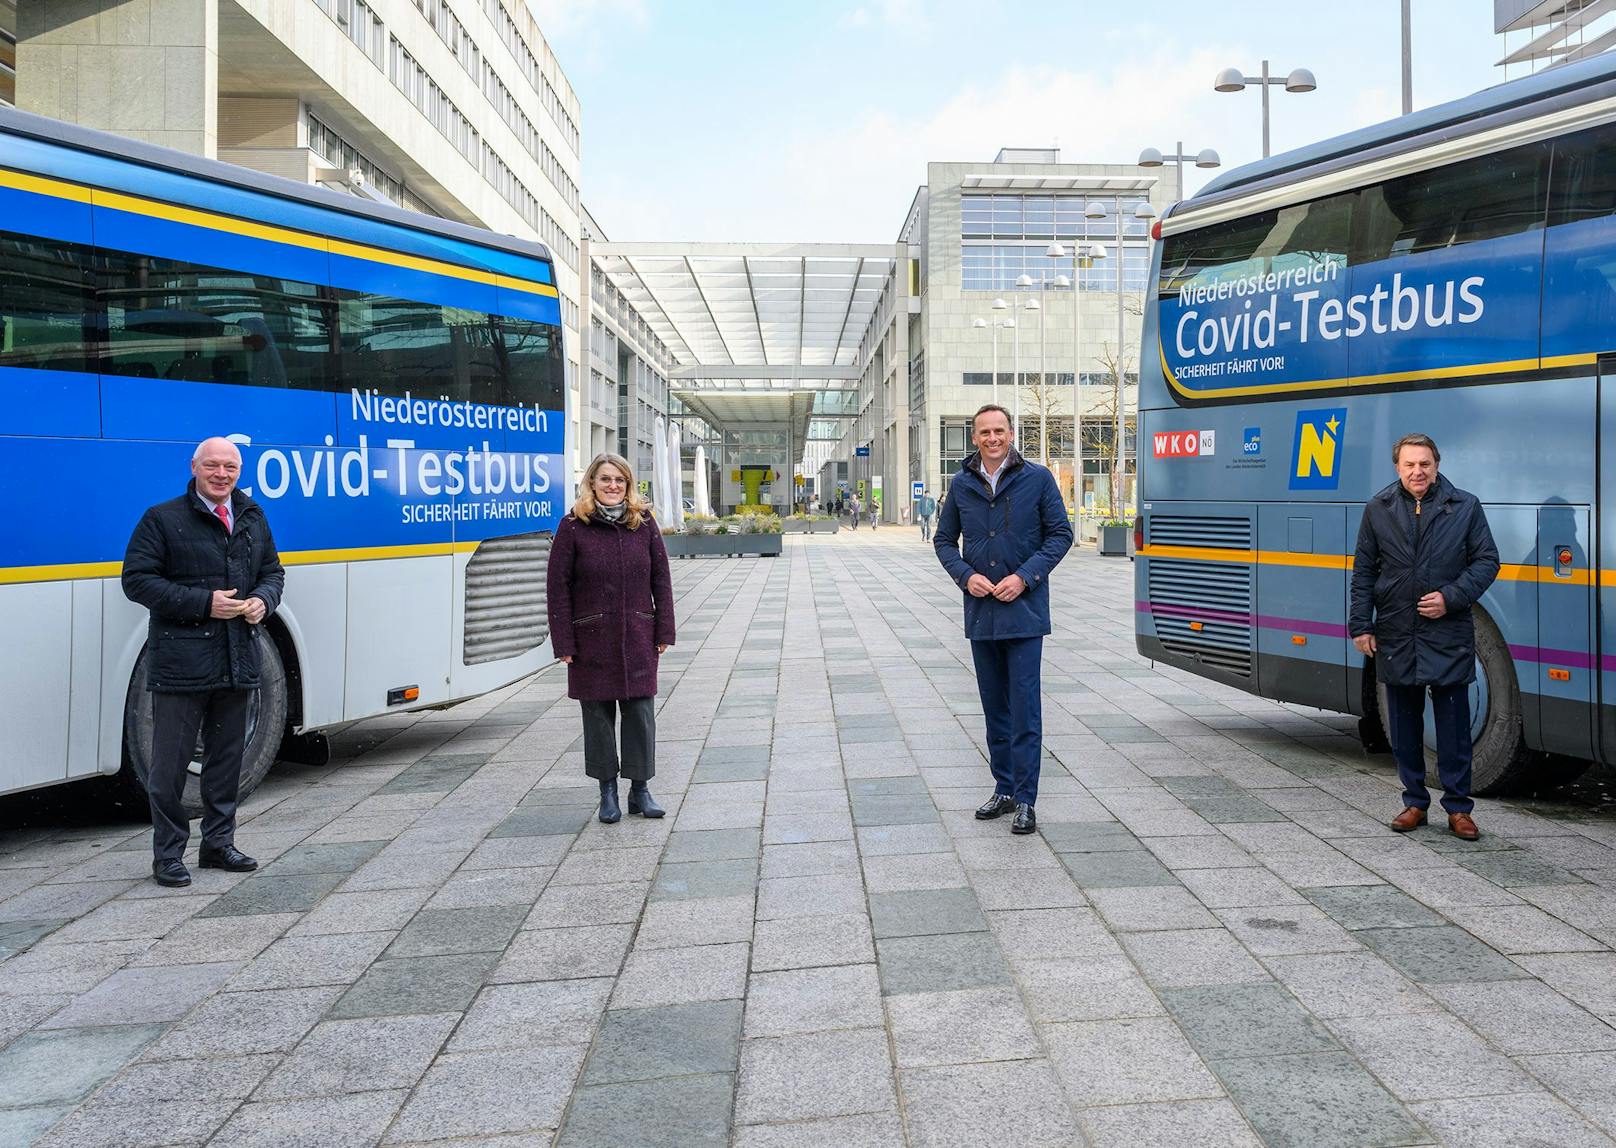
[1302,603]
[1565,667]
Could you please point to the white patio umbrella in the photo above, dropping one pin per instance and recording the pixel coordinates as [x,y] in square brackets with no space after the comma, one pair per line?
[699,493]
[676,478]
[659,471]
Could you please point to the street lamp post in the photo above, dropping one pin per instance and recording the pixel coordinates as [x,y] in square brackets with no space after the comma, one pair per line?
[1144,211]
[1083,257]
[1205,158]
[1231,80]
[1023,282]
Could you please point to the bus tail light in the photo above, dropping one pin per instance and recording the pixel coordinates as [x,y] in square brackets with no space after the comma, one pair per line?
[397,697]
[1559,675]
[1138,534]
[1298,639]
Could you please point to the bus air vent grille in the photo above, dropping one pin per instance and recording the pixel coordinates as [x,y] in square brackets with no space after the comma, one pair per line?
[505,599]
[1202,611]
[1193,530]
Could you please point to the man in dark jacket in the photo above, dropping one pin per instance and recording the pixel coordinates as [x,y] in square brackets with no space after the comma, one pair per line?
[205,565]
[1425,555]
[1013,523]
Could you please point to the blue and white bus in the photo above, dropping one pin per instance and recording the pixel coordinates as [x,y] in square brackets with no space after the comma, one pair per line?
[395,383]
[1451,272]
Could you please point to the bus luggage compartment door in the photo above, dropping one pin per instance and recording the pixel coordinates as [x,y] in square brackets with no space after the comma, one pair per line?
[1302,604]
[1565,661]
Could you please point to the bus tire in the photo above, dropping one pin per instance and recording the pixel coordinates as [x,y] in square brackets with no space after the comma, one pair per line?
[1371,726]
[266,721]
[1500,761]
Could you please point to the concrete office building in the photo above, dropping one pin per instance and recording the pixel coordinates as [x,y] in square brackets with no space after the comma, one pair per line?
[1542,34]
[628,365]
[977,233]
[457,109]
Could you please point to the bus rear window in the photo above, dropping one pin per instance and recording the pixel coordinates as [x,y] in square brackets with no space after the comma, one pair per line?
[47,304]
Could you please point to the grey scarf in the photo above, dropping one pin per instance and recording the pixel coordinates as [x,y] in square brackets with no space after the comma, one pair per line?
[612,513]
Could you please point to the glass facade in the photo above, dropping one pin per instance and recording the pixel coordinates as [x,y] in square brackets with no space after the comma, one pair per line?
[1003,237]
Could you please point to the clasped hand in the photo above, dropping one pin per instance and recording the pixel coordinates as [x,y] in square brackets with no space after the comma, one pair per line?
[227,605]
[1007,589]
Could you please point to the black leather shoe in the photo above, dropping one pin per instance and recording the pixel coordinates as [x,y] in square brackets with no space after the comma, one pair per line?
[610,811]
[996,806]
[640,801]
[228,857]
[171,873]
[1025,820]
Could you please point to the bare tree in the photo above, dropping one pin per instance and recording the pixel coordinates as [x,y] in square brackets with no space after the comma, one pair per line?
[1041,403]
[1114,409]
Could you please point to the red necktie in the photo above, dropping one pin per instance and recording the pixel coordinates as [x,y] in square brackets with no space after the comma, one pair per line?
[223,516]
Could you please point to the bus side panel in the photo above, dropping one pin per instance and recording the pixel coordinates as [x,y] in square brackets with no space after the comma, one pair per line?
[1565,665]
[399,631]
[36,631]
[315,613]
[1512,603]
[1301,604]
[84,703]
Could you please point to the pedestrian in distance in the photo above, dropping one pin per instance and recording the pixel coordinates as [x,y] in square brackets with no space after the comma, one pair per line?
[1425,555]
[1002,530]
[610,600]
[855,507]
[875,512]
[204,565]
[926,508]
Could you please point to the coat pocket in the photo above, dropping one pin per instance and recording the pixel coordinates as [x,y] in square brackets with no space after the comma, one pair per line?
[184,656]
[649,617]
[587,621]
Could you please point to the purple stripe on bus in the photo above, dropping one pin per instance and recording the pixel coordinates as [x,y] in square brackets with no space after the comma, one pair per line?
[1266,621]
[1303,626]
[1570,659]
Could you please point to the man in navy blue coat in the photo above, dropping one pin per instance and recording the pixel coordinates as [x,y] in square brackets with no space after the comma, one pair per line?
[1002,529]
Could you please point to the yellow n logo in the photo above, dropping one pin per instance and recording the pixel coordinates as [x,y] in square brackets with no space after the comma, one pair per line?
[1314,456]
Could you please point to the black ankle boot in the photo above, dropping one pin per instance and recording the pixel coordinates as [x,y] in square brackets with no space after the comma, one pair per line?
[609,809]
[640,801]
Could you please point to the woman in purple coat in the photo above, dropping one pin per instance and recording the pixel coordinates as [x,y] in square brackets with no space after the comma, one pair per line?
[611,616]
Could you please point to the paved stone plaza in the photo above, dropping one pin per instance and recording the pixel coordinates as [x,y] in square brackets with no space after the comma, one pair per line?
[1213,941]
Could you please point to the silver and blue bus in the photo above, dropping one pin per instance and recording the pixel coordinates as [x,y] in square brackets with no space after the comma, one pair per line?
[394,382]
[1452,272]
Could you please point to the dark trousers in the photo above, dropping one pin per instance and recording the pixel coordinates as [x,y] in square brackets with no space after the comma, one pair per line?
[221,716]
[1009,678]
[639,739]
[925,528]
[1405,714]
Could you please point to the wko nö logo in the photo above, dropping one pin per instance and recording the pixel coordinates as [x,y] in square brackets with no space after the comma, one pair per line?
[1185,444]
[1251,442]
[1316,451]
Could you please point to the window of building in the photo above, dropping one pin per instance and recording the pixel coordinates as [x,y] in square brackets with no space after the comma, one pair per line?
[1003,237]
[339,153]
[360,24]
[511,36]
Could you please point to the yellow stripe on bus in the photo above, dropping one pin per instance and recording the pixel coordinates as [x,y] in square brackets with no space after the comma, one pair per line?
[1509,572]
[212,221]
[72,570]
[1368,380]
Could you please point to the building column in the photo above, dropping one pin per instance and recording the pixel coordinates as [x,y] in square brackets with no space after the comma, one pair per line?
[147,69]
[583,445]
[898,466]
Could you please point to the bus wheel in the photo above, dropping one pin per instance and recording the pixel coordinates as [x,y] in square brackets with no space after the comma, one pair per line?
[1500,761]
[266,721]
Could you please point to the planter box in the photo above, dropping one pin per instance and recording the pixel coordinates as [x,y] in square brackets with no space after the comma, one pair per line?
[722,545]
[798,526]
[1114,541]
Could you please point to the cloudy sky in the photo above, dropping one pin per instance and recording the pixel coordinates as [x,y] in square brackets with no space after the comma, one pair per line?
[813,120]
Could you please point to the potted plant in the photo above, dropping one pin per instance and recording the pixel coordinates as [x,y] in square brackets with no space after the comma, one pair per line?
[1114,537]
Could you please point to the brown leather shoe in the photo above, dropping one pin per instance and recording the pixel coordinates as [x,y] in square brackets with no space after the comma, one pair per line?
[1462,826]
[1408,820]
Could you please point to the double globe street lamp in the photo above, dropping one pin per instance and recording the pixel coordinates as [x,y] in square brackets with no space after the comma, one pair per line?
[1232,80]
[1143,212]
[1205,158]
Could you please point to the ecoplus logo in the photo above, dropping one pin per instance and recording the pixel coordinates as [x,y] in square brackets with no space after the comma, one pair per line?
[1251,442]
